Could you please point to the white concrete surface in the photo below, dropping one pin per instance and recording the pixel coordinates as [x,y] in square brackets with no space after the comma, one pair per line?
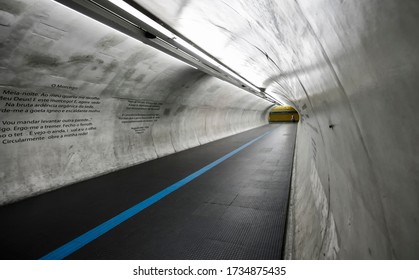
[349,67]
[45,44]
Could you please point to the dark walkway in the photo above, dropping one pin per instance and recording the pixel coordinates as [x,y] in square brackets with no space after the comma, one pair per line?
[236,210]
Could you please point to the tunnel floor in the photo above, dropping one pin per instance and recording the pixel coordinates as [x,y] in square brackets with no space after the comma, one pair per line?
[234,210]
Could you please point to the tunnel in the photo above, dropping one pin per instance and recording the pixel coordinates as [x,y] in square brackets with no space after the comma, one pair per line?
[140,129]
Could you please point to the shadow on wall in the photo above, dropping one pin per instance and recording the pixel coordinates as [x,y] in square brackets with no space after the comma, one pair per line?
[283,114]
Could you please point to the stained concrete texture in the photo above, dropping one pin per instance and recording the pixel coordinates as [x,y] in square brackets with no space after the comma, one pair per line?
[79,99]
[349,67]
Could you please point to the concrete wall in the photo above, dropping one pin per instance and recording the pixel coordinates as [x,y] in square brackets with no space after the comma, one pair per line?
[360,194]
[350,68]
[79,99]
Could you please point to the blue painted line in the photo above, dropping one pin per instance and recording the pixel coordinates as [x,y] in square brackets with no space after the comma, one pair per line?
[84,239]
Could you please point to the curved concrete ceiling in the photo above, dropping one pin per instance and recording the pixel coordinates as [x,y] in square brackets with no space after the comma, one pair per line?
[348,67]
[258,39]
